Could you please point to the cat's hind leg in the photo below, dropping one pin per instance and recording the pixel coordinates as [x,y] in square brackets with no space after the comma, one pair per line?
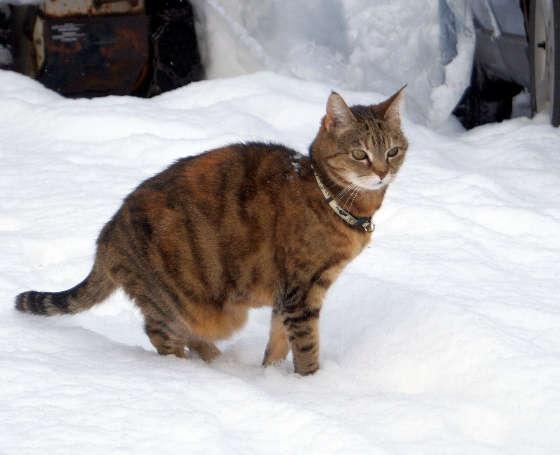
[206,350]
[164,339]
[161,323]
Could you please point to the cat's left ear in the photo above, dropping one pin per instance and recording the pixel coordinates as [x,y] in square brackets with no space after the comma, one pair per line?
[389,110]
[339,117]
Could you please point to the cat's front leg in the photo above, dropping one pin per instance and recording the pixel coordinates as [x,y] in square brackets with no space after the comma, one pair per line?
[301,320]
[278,346]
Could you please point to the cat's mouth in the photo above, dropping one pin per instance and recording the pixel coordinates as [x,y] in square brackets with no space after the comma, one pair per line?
[371,182]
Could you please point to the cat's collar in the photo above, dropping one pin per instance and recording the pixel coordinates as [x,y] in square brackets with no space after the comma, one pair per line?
[364,222]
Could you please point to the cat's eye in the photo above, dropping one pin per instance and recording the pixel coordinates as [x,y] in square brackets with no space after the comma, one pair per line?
[358,154]
[393,152]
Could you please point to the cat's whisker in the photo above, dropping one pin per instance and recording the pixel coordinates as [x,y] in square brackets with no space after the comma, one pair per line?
[341,193]
[344,192]
[354,195]
[351,196]
[357,192]
[352,188]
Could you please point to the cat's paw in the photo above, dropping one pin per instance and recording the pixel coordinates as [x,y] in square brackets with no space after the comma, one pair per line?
[306,370]
[205,350]
[274,355]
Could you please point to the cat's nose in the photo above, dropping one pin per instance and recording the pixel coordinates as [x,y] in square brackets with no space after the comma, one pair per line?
[381,174]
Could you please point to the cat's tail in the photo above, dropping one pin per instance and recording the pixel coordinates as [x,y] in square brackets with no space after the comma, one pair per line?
[95,288]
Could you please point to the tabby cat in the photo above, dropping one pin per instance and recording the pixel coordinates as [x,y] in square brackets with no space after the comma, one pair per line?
[244,226]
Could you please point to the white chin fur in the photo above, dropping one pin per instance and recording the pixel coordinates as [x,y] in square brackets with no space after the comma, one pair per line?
[373,182]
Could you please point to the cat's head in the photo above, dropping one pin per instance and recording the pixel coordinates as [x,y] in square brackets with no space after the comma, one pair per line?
[361,145]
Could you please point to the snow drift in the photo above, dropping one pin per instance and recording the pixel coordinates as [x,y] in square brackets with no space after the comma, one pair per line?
[356,44]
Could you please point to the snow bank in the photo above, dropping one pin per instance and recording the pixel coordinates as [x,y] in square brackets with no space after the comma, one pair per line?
[443,337]
[357,44]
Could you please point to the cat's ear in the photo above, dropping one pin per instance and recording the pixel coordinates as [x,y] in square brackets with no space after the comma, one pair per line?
[389,110]
[339,116]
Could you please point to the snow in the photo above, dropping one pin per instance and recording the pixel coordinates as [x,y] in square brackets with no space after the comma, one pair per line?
[443,337]
[355,44]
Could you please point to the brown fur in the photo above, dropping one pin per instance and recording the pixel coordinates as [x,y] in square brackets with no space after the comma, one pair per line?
[212,236]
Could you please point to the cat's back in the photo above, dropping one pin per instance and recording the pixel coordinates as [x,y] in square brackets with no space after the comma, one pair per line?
[245,164]
[226,191]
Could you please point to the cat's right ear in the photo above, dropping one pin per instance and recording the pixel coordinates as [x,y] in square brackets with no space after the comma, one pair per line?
[339,117]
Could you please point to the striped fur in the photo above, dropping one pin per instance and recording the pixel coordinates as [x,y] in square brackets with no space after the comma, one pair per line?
[199,244]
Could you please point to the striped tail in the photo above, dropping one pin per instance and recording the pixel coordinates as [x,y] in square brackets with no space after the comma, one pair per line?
[95,288]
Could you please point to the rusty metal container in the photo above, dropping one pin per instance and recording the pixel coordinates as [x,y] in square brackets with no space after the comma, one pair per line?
[86,47]
[102,47]
[85,56]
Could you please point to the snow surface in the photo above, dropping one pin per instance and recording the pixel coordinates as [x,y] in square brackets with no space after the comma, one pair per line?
[355,44]
[443,337]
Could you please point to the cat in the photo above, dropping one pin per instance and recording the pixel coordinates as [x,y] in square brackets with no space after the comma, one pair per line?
[199,244]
